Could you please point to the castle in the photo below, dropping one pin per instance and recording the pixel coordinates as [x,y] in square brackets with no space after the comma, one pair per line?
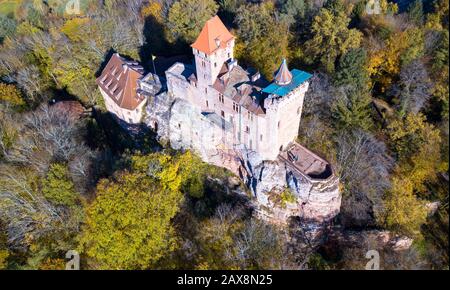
[232,117]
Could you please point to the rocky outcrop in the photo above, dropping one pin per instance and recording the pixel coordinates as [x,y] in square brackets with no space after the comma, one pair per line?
[280,191]
[372,239]
[315,200]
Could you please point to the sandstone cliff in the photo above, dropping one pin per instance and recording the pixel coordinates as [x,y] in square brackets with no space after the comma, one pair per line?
[279,191]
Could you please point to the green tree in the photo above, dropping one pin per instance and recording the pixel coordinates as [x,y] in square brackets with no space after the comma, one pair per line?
[262,39]
[352,69]
[415,12]
[331,38]
[187,17]
[57,187]
[7,27]
[293,10]
[352,108]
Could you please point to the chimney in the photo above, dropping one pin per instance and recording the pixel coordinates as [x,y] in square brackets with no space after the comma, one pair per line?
[231,64]
[256,76]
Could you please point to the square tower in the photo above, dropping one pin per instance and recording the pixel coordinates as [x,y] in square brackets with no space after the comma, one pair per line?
[213,47]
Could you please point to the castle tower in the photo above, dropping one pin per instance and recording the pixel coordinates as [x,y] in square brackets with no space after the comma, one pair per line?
[213,47]
[283,108]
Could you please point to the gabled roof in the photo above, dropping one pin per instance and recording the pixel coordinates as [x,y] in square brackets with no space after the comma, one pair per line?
[213,33]
[236,85]
[119,81]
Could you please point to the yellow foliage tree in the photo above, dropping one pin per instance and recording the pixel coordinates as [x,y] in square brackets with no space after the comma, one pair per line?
[402,47]
[75,28]
[11,95]
[405,213]
[154,9]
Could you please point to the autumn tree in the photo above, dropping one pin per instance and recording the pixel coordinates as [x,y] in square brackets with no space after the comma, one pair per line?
[413,90]
[262,39]
[57,187]
[187,17]
[331,38]
[405,213]
[129,224]
[11,95]
[227,241]
[399,49]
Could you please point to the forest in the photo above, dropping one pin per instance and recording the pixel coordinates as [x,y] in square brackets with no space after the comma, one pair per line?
[377,109]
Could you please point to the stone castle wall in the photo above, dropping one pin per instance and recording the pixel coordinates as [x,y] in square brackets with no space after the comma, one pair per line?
[185,127]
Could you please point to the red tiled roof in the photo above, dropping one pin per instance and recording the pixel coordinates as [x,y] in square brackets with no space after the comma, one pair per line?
[119,81]
[213,32]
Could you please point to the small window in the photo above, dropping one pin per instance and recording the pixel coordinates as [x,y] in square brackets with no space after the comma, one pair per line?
[247,129]
[222,113]
[215,64]
[260,137]
[221,99]
[206,90]
[207,104]
[235,107]
[279,124]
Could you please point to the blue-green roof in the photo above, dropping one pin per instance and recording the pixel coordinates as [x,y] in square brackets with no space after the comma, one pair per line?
[298,78]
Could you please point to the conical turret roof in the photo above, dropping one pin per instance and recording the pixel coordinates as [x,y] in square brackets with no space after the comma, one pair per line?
[283,76]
